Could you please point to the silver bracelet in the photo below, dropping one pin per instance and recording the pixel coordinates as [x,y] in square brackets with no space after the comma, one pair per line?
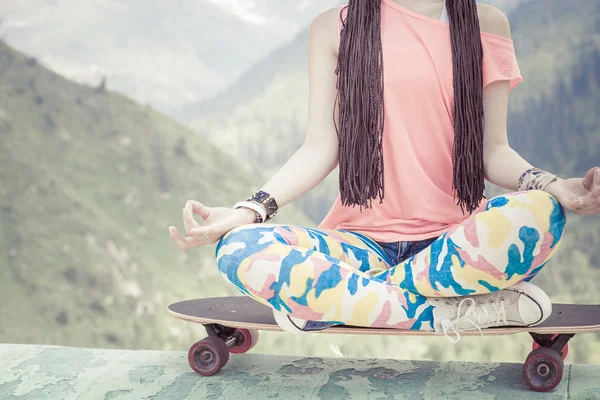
[255,207]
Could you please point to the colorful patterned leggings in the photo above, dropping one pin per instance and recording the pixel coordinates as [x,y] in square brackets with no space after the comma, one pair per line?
[345,277]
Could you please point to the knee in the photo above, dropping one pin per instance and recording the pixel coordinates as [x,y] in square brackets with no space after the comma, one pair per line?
[236,234]
[242,242]
[235,238]
[532,209]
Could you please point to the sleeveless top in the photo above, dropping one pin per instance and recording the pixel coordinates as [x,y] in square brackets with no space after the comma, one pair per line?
[418,132]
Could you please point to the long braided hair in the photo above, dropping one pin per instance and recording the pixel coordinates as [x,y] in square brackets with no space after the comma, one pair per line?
[360,105]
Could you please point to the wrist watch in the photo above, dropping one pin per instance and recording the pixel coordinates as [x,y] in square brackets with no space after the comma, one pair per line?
[267,201]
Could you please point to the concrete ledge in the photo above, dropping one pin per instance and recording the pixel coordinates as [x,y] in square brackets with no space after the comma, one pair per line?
[33,372]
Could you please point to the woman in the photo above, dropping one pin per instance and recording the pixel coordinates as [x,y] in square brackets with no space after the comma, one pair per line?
[411,242]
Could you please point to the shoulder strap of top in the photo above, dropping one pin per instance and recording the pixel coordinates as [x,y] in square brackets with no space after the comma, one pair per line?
[444,16]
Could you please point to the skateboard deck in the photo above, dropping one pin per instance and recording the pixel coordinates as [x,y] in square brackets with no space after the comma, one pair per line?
[232,324]
[244,312]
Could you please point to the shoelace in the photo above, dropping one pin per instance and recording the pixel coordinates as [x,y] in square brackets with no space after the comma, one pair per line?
[448,325]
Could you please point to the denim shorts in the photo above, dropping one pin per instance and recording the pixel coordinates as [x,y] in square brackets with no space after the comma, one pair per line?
[397,252]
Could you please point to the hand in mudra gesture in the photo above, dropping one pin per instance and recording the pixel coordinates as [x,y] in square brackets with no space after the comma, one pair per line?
[579,195]
[217,221]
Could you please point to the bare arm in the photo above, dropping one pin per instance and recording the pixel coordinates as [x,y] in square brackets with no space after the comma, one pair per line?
[502,165]
[318,155]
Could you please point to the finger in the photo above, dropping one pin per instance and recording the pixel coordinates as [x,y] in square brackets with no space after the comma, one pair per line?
[177,238]
[592,178]
[591,200]
[203,237]
[596,182]
[189,222]
[573,204]
[591,211]
[587,201]
[204,232]
[592,203]
[200,232]
[595,192]
[577,207]
[186,243]
[199,209]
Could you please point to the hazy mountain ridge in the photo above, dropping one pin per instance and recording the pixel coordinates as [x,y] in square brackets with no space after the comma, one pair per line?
[266,11]
[162,53]
[289,60]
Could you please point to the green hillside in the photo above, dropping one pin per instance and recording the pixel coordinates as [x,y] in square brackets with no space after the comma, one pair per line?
[548,37]
[90,183]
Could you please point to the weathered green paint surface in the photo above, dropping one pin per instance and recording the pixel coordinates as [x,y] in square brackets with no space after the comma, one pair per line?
[34,372]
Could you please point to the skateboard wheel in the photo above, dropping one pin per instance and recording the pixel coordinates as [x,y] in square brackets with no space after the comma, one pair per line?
[208,356]
[247,339]
[565,350]
[543,369]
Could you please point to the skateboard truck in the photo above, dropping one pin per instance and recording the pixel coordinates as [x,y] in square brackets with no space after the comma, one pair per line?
[556,342]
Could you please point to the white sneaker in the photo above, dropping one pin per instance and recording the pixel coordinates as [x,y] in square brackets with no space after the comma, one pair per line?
[523,304]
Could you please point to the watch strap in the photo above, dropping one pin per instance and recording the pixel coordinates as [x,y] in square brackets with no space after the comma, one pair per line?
[257,208]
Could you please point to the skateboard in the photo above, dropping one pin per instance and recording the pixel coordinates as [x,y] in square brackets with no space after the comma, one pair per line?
[232,325]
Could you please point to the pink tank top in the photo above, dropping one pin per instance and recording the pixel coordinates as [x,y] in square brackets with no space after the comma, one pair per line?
[419,128]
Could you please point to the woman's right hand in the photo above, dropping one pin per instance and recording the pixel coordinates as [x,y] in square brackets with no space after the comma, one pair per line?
[217,222]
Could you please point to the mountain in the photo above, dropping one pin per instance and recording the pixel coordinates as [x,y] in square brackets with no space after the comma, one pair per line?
[267,11]
[90,183]
[549,37]
[161,53]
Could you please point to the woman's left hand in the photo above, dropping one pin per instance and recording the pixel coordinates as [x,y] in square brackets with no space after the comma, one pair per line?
[579,195]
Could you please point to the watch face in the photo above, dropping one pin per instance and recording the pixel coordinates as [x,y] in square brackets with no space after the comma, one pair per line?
[260,196]
[271,206]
